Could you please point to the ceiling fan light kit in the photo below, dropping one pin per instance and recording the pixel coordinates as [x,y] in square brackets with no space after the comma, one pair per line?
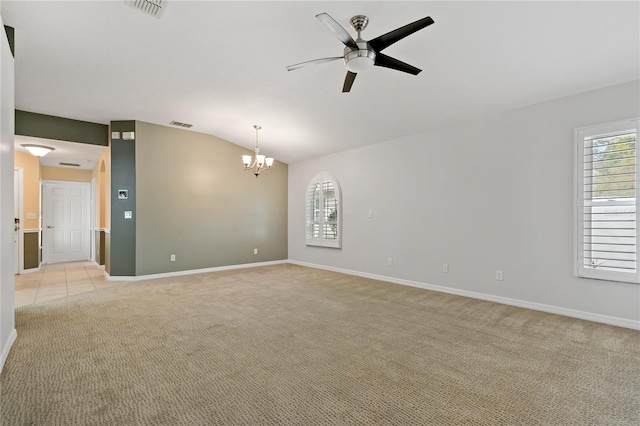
[359,60]
[361,55]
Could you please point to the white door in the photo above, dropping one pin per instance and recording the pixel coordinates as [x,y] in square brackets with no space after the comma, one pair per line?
[66,221]
[17,210]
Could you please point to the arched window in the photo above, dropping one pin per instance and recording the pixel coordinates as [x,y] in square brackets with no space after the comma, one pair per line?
[324,211]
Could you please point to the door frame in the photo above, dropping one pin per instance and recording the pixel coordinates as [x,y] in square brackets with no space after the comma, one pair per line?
[45,253]
[93,211]
[19,198]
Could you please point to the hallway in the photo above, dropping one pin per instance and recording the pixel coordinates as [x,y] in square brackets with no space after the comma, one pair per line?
[58,280]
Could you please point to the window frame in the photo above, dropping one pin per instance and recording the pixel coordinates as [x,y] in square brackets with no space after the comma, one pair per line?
[589,133]
[320,179]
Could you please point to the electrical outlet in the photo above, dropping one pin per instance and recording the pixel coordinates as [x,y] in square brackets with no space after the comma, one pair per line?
[255,251]
[390,261]
[173,257]
[445,268]
[499,276]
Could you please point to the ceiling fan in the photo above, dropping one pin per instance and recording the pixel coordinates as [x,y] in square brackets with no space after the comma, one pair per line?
[360,55]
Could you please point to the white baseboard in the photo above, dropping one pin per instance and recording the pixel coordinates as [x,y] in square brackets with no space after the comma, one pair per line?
[5,351]
[589,316]
[31,270]
[193,271]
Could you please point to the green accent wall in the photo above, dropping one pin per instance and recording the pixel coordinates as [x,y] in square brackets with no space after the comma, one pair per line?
[59,128]
[11,38]
[122,239]
[100,247]
[31,250]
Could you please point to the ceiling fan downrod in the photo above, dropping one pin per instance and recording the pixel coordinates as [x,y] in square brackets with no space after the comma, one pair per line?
[359,23]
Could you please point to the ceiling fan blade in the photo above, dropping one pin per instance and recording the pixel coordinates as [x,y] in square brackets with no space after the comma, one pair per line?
[383,60]
[313,62]
[337,29]
[348,81]
[380,43]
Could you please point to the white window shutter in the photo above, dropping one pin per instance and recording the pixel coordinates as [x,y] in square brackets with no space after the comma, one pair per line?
[606,194]
[323,210]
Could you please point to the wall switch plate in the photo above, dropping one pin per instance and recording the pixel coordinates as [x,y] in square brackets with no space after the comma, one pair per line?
[128,214]
[255,251]
[499,275]
[370,213]
[173,257]
[445,268]
[31,216]
[390,261]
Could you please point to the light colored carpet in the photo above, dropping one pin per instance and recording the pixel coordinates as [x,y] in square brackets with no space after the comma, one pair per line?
[291,345]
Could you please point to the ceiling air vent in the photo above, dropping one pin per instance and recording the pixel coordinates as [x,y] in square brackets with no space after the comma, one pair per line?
[179,124]
[154,8]
[69,164]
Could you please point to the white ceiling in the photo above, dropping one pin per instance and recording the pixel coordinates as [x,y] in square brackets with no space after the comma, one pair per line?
[84,155]
[221,65]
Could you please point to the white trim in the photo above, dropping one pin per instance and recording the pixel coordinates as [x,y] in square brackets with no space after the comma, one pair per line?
[5,351]
[589,316]
[193,271]
[20,196]
[31,270]
[31,231]
[93,212]
[580,136]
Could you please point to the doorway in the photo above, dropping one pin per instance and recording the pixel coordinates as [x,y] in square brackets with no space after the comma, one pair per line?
[66,221]
[17,214]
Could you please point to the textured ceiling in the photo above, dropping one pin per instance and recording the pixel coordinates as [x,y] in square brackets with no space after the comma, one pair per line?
[221,65]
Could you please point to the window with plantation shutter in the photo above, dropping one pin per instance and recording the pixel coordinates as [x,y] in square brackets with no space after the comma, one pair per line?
[607,203]
[323,210]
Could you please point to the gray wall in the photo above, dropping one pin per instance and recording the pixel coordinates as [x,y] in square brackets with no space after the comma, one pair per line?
[195,200]
[494,193]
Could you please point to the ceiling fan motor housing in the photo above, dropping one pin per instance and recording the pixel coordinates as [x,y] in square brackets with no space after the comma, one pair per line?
[363,58]
[360,59]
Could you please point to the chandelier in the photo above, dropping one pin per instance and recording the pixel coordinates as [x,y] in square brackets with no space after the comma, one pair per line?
[257,164]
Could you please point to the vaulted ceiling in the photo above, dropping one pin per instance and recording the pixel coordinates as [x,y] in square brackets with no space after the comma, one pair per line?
[221,65]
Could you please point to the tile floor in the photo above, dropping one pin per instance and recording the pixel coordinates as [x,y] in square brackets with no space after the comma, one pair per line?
[58,280]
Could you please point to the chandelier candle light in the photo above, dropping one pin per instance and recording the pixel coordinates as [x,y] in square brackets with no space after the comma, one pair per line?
[257,164]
